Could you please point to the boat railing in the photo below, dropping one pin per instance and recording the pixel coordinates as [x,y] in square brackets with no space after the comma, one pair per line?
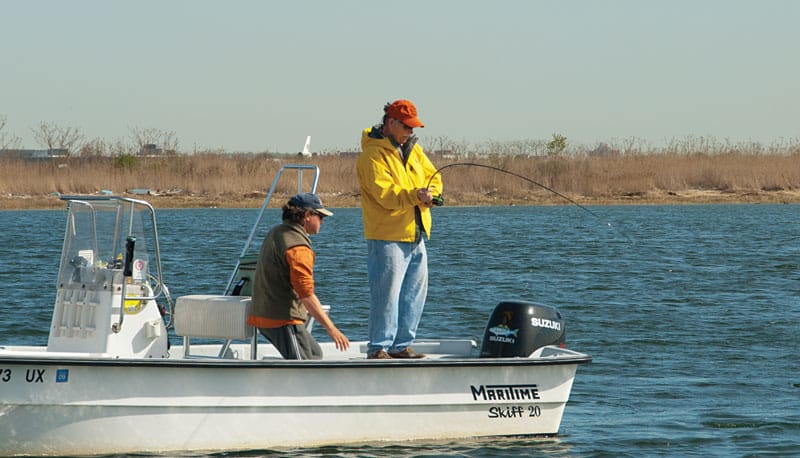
[131,204]
[300,169]
[86,200]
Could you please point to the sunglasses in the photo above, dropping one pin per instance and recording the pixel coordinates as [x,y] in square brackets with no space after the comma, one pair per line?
[403,124]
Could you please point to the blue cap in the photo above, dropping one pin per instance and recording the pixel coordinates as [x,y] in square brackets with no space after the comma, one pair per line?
[309,201]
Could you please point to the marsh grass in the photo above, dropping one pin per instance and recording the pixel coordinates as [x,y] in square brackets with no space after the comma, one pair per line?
[231,180]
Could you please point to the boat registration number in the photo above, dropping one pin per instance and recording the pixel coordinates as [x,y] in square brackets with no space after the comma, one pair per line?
[33,375]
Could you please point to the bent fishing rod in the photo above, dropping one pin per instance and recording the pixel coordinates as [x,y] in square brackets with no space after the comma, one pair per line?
[438,200]
[523,177]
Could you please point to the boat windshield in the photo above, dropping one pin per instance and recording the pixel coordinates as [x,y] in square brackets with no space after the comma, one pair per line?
[97,233]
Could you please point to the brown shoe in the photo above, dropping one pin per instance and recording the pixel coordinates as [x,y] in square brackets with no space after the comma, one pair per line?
[380,354]
[406,353]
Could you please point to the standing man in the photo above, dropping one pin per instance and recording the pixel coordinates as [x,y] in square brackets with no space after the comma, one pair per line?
[393,175]
[283,289]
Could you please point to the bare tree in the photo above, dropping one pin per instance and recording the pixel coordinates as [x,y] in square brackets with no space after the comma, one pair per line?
[54,137]
[444,145]
[45,135]
[8,141]
[94,148]
[440,144]
[154,141]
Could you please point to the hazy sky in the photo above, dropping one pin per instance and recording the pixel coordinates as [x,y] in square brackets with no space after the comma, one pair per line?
[262,75]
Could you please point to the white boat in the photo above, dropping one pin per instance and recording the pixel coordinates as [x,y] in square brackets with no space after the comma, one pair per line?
[109,382]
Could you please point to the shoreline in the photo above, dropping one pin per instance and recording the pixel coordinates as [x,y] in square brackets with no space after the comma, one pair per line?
[342,200]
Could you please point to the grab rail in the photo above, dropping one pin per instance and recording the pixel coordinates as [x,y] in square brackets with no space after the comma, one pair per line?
[131,203]
[299,168]
[313,189]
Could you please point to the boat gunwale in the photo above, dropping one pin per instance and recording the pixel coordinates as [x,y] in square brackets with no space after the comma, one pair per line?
[8,358]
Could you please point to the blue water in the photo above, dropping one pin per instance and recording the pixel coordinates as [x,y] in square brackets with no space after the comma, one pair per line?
[692,313]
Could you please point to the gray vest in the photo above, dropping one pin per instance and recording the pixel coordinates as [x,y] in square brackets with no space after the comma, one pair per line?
[273,295]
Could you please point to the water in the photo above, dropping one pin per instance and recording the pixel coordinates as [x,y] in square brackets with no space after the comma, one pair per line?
[691,312]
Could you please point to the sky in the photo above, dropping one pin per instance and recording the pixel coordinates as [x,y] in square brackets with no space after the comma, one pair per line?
[252,76]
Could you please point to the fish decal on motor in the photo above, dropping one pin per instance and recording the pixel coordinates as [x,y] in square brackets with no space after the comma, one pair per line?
[503,333]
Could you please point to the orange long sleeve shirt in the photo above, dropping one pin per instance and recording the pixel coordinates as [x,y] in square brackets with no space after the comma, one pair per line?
[301,274]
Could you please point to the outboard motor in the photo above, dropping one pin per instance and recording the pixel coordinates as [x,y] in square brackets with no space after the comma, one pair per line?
[518,328]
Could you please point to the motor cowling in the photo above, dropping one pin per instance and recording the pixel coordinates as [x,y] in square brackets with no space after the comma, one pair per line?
[518,328]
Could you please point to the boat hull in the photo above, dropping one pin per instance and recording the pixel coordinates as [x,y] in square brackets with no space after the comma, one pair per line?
[96,406]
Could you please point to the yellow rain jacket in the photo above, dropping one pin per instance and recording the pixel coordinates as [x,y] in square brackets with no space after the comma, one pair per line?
[389,188]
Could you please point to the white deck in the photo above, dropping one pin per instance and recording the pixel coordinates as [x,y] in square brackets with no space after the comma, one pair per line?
[204,318]
[434,349]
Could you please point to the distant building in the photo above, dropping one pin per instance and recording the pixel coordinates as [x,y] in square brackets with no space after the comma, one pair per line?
[152,150]
[34,154]
[149,149]
[603,150]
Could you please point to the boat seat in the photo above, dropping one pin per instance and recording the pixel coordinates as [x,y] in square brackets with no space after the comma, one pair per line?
[213,317]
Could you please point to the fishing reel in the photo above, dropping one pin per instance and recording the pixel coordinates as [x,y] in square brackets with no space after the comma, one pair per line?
[436,200]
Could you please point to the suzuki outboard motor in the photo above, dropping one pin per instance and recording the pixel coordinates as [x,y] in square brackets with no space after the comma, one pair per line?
[518,328]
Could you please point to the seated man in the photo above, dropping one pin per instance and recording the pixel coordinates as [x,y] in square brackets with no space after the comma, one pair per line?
[283,287]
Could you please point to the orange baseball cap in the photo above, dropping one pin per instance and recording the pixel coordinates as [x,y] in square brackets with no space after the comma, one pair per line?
[405,112]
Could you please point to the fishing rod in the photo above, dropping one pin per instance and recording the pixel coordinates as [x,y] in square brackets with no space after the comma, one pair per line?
[523,177]
[438,200]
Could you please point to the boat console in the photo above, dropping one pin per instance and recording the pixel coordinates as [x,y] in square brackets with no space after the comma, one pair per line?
[105,299]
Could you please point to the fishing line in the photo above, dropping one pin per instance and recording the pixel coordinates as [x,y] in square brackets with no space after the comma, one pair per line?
[523,177]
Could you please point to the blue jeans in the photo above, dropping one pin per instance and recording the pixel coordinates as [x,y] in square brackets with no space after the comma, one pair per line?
[398,285]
